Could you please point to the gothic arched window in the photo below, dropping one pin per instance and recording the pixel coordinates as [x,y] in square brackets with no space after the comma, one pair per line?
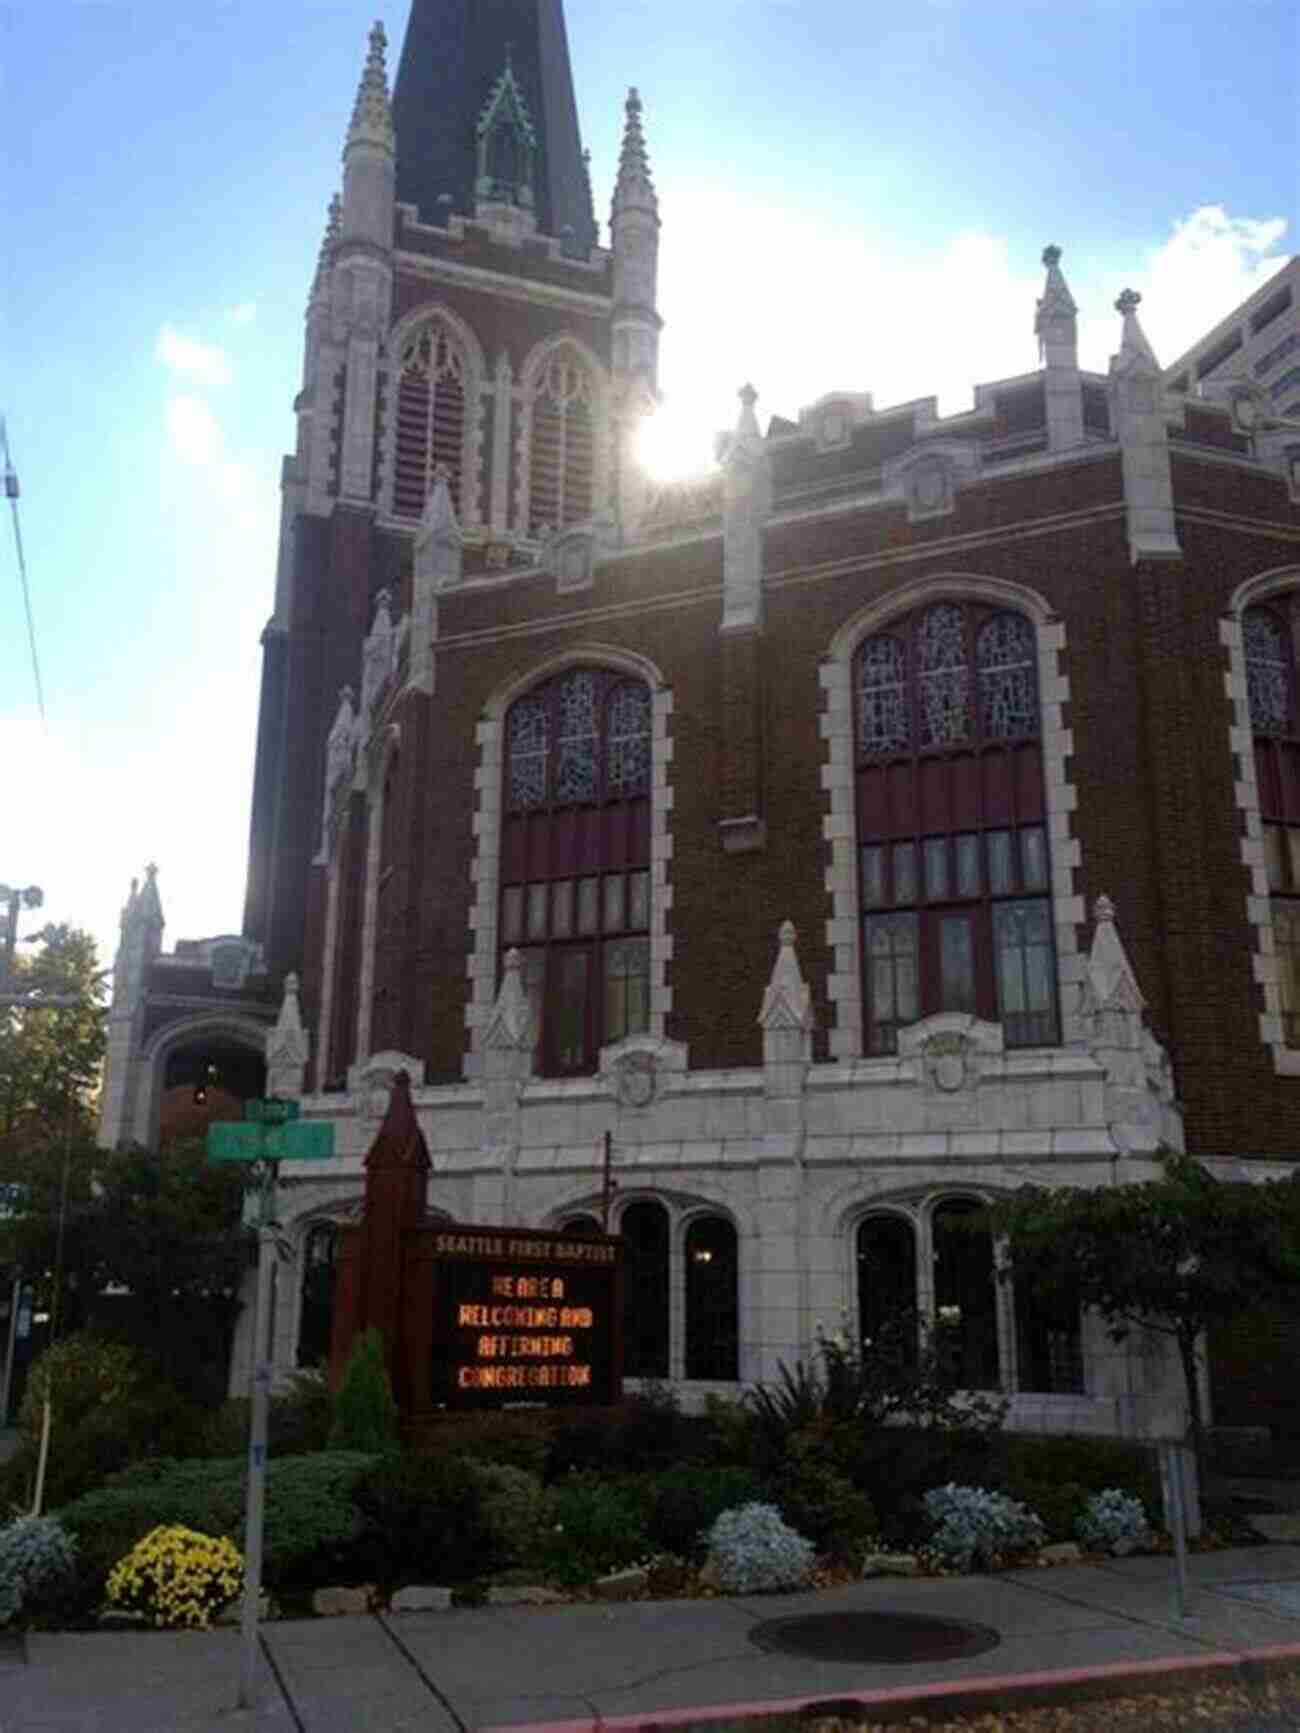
[886,1279]
[1271,686]
[575,861]
[712,1304]
[431,379]
[316,1313]
[644,1227]
[563,444]
[952,840]
[965,1297]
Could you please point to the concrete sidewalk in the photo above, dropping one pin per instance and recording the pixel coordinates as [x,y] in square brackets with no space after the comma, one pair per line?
[679,1665]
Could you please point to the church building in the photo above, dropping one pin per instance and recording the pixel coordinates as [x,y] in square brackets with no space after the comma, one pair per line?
[903,812]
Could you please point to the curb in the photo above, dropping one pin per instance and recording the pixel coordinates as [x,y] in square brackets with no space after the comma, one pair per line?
[959,1697]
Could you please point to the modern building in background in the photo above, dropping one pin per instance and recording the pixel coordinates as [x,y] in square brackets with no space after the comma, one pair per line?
[1259,343]
[908,810]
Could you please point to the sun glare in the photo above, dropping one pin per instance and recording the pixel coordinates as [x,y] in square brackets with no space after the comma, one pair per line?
[676,443]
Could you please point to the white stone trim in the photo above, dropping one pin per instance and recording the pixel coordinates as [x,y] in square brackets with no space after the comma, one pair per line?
[375,802]
[537,359]
[472,436]
[324,1042]
[839,830]
[1264,587]
[485,864]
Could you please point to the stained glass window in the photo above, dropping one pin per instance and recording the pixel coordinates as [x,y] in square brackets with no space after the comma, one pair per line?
[1267,681]
[1008,677]
[951,821]
[575,860]
[712,1308]
[882,696]
[943,677]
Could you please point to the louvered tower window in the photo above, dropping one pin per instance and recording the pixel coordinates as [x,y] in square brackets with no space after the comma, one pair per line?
[562,458]
[430,418]
[952,837]
[1271,685]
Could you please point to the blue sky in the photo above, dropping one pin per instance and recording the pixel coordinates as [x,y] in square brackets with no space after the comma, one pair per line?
[853,195]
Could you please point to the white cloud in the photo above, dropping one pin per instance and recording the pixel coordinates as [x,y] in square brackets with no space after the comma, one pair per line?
[205,363]
[802,309]
[243,314]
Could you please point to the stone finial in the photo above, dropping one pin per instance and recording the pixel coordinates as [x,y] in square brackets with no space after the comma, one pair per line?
[288,1046]
[372,118]
[1109,982]
[328,246]
[438,521]
[634,185]
[787,1001]
[511,1022]
[1134,350]
[148,905]
[1056,302]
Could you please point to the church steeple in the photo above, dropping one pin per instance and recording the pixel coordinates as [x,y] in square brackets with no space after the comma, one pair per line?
[455,55]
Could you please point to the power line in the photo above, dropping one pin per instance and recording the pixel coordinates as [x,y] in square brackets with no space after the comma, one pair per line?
[11,494]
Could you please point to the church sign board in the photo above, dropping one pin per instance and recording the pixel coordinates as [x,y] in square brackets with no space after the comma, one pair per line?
[523,1315]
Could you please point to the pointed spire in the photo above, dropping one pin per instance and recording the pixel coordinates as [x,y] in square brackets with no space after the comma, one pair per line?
[634,186]
[511,1022]
[148,905]
[439,522]
[1056,302]
[372,119]
[400,1142]
[1134,350]
[1109,981]
[787,1000]
[288,1046]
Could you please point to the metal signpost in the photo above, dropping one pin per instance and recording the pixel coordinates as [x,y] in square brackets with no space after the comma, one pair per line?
[271,1133]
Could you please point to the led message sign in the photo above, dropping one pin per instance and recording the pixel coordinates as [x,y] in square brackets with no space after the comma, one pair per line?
[524,1316]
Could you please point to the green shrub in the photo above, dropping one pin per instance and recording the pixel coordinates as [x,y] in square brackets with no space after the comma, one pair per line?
[513,1505]
[686,1501]
[822,1504]
[591,1526]
[895,1466]
[312,1524]
[1059,1505]
[365,1414]
[519,1438]
[298,1420]
[424,1520]
[104,1414]
[38,1565]
[1095,1464]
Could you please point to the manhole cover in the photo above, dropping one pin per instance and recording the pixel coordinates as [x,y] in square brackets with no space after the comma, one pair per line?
[887,1637]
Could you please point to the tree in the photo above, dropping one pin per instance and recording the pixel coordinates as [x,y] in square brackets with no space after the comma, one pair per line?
[1179,1255]
[50,1059]
[154,1250]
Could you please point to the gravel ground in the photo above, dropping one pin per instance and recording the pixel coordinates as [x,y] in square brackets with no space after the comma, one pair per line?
[1272,1706]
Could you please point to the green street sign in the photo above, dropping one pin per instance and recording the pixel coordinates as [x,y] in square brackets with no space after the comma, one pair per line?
[272,1111]
[235,1143]
[291,1141]
[300,1142]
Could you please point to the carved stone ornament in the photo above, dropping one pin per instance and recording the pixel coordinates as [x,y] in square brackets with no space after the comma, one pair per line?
[636,1079]
[929,488]
[950,1048]
[572,559]
[370,1083]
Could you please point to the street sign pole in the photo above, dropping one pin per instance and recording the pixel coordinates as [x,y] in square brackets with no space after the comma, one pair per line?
[272,1130]
[265,1174]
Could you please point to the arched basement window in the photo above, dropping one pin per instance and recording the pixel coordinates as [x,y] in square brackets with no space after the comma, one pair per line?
[886,1256]
[316,1315]
[965,1298]
[575,861]
[955,878]
[712,1305]
[644,1227]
